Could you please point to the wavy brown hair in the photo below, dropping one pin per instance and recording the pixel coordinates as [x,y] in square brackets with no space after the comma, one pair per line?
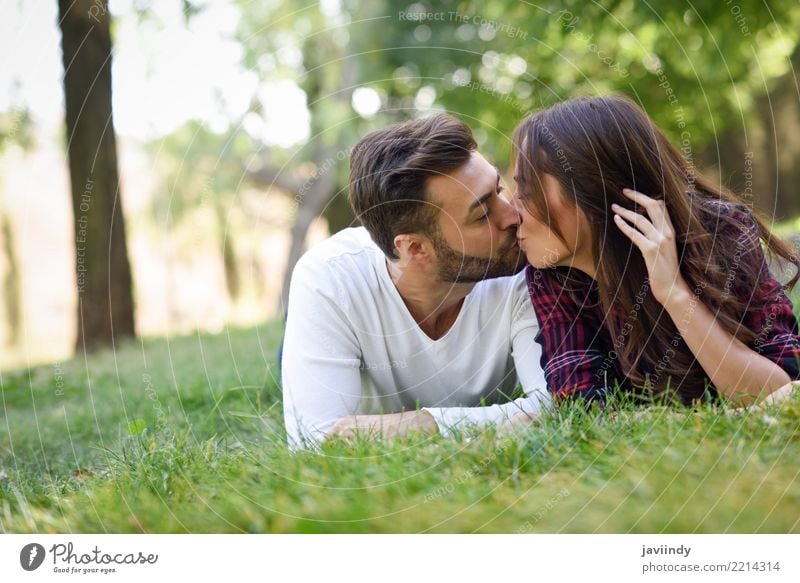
[595,147]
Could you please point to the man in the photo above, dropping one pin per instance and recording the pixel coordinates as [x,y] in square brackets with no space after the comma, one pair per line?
[415,321]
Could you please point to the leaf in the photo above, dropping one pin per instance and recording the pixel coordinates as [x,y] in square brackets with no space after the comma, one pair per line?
[137,426]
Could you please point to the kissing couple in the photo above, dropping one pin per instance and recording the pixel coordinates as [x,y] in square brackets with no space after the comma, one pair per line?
[611,267]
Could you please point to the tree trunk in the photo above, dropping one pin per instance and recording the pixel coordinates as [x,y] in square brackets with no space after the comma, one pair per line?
[758,160]
[339,214]
[11,283]
[302,222]
[319,192]
[105,300]
[229,262]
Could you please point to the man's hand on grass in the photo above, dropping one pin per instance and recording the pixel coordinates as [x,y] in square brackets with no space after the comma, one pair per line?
[389,425]
[517,422]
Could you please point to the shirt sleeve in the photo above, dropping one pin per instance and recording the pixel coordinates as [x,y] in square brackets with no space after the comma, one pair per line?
[321,363]
[526,353]
[575,362]
[769,311]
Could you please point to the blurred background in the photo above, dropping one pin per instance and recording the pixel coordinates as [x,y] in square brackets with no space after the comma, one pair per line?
[227,152]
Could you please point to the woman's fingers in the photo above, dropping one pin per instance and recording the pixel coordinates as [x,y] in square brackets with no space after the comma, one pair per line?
[639,221]
[780,394]
[639,198]
[643,243]
[656,241]
[656,210]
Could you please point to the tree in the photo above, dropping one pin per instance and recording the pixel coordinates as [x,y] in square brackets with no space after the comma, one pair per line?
[202,170]
[15,127]
[105,299]
[313,174]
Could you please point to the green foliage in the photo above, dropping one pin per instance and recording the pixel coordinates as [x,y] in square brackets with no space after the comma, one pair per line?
[197,167]
[494,61]
[16,127]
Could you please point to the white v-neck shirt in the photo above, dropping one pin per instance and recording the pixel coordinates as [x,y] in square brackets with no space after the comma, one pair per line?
[352,347]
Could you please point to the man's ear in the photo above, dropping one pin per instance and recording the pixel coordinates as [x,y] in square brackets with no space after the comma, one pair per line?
[411,247]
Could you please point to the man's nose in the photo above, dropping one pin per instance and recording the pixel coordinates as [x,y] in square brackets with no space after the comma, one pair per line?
[511,217]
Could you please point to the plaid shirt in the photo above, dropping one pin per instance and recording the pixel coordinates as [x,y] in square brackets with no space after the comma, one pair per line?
[577,349]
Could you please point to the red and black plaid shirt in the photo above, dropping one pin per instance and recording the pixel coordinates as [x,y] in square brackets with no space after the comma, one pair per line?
[577,349]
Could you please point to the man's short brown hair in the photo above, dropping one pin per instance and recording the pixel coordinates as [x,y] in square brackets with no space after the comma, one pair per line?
[389,170]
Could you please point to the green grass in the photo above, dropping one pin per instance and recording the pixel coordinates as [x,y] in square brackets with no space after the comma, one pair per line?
[93,446]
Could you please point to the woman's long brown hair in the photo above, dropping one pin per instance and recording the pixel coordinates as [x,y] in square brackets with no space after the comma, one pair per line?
[595,147]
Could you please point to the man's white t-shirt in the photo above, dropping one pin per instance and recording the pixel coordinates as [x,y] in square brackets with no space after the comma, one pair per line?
[352,347]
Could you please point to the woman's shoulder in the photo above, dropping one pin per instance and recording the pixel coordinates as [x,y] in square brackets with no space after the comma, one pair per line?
[725,208]
[557,279]
[728,218]
[560,288]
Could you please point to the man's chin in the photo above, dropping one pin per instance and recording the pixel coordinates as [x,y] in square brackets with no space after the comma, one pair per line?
[493,269]
[458,268]
[516,262]
[521,260]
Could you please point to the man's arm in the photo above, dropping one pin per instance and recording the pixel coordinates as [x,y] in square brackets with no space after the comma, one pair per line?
[320,370]
[527,362]
[432,420]
[387,425]
[526,351]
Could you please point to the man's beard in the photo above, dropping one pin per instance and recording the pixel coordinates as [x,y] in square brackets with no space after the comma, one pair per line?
[455,267]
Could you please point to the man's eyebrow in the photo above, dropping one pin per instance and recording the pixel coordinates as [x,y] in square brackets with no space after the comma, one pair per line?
[484,197]
[479,201]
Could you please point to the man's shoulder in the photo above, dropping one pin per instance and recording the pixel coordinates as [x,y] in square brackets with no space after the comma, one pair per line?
[353,244]
[342,260]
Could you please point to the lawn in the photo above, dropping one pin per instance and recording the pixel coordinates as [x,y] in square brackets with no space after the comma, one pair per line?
[184,435]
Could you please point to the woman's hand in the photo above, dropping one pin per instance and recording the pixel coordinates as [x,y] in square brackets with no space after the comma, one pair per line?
[655,238]
[737,371]
[779,396]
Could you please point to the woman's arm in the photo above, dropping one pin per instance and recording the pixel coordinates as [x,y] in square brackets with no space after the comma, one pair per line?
[737,371]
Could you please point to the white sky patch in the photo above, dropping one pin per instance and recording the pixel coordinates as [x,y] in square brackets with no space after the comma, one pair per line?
[30,59]
[425,97]
[366,101]
[164,73]
[286,117]
[517,65]
[330,7]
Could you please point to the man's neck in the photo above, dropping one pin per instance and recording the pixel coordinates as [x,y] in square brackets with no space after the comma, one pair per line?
[434,304]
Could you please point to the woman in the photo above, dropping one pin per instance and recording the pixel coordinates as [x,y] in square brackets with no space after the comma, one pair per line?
[645,276]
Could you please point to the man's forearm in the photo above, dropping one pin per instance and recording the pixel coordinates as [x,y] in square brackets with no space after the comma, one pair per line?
[386,426]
